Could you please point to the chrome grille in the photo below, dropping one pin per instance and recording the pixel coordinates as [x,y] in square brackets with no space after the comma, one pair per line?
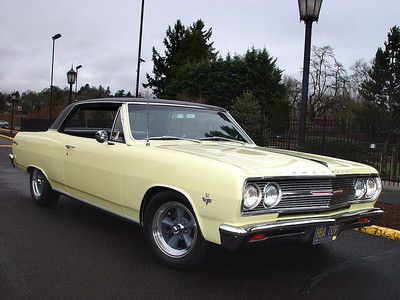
[309,194]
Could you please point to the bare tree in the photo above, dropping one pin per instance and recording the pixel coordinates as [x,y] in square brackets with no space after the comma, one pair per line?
[329,83]
[359,74]
[293,92]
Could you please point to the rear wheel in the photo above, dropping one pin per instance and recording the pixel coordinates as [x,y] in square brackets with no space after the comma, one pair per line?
[172,231]
[41,191]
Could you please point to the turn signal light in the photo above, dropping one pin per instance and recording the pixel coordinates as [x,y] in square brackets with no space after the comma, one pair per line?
[257,238]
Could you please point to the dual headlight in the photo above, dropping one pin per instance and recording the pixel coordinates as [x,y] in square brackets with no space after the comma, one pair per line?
[367,188]
[270,196]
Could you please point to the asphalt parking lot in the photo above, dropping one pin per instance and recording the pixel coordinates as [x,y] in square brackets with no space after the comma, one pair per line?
[73,250]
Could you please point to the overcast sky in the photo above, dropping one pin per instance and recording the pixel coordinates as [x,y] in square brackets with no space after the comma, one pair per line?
[102,35]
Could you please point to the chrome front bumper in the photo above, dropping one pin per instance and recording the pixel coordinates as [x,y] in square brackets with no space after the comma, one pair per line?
[12,159]
[234,237]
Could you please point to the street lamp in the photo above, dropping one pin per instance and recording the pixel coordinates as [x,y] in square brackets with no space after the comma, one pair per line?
[14,99]
[309,13]
[76,84]
[54,38]
[71,78]
[140,60]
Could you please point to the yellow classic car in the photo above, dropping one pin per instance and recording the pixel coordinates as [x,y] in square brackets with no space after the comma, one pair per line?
[192,177]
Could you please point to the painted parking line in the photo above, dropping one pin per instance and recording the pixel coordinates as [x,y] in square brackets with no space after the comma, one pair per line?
[5,146]
[388,233]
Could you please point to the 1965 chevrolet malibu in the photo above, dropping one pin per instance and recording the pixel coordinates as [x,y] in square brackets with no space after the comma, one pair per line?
[191,176]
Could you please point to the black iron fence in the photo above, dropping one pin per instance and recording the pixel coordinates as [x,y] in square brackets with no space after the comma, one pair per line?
[376,146]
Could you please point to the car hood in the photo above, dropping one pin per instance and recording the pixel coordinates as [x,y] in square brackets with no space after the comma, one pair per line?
[262,161]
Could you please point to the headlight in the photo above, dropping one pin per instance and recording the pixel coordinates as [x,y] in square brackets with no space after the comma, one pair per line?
[360,189]
[371,188]
[251,197]
[379,186]
[272,195]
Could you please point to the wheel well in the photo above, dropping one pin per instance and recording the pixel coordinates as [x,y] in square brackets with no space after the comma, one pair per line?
[30,169]
[151,193]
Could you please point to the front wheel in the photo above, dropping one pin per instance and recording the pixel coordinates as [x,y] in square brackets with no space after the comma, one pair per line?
[172,231]
[41,191]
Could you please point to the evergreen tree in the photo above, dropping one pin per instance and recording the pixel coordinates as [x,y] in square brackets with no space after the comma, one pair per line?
[120,94]
[182,46]
[382,88]
[220,82]
[195,46]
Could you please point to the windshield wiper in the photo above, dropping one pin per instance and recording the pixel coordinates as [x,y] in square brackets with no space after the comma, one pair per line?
[220,138]
[172,138]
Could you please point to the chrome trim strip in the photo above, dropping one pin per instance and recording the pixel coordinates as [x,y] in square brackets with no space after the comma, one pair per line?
[315,193]
[12,159]
[152,102]
[97,206]
[300,222]
[171,104]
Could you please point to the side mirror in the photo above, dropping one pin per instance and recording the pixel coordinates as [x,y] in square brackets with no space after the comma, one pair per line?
[101,136]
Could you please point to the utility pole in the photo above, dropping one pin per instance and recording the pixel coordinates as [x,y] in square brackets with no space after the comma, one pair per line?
[140,60]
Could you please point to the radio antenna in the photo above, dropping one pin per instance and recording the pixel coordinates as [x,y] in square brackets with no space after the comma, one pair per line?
[148,122]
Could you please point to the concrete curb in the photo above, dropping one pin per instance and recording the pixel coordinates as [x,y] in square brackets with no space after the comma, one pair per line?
[388,233]
[6,137]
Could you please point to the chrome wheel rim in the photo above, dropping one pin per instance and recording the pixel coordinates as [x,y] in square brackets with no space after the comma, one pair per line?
[37,184]
[174,229]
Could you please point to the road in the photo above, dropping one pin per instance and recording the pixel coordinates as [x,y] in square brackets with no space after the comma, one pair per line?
[73,250]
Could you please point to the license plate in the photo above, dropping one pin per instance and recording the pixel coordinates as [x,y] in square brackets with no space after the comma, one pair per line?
[325,233]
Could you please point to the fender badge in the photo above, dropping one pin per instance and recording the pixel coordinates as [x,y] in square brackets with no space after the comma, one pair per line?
[207,199]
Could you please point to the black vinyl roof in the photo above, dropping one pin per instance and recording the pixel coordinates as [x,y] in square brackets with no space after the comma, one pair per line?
[150,101]
[60,119]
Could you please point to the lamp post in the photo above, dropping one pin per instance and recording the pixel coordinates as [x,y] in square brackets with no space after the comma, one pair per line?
[309,13]
[14,99]
[140,60]
[54,38]
[76,84]
[71,78]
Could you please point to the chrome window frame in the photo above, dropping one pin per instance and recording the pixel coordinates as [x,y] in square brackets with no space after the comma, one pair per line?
[119,113]
[73,108]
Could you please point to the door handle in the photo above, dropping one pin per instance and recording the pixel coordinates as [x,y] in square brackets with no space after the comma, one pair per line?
[70,147]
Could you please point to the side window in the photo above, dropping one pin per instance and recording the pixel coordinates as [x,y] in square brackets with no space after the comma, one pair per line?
[86,121]
[117,133]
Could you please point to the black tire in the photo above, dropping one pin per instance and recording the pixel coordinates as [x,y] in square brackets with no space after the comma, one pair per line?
[45,195]
[198,250]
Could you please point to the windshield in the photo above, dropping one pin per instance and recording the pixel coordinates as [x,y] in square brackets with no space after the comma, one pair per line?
[174,122]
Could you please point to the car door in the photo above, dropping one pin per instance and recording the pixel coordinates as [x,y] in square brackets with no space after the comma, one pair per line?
[92,169]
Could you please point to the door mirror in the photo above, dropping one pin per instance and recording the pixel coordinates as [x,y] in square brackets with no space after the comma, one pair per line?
[101,136]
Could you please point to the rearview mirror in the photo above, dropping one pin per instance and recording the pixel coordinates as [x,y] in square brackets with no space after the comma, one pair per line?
[101,136]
